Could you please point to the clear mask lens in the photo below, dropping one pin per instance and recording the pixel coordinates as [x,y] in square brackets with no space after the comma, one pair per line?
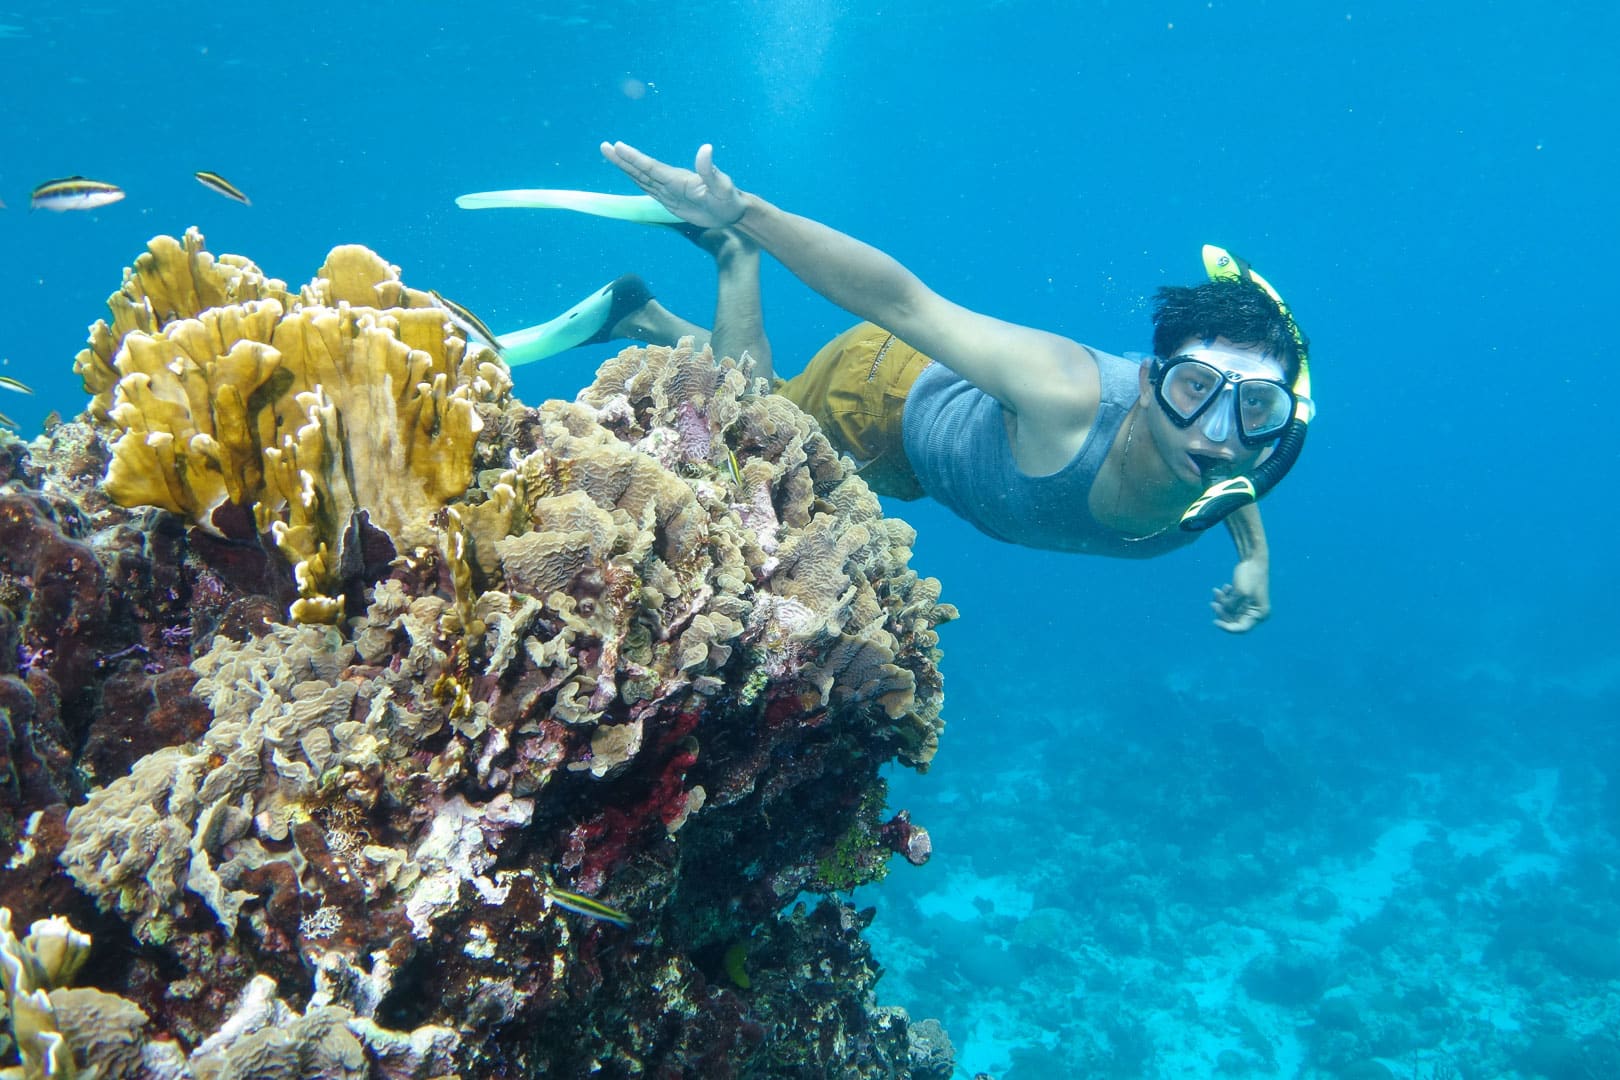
[1263,408]
[1188,386]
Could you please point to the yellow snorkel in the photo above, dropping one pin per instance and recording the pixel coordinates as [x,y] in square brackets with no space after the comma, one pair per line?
[1222,498]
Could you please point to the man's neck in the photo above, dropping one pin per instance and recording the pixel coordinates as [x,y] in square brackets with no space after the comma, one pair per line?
[1142,495]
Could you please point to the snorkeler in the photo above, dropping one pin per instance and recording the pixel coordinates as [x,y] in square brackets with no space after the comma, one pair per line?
[1033,438]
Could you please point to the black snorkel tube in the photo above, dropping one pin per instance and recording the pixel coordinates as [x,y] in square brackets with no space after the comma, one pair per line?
[1222,498]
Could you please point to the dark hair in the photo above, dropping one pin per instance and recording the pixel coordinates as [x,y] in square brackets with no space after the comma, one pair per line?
[1238,311]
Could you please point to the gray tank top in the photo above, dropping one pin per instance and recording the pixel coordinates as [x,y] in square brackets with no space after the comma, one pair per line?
[956,440]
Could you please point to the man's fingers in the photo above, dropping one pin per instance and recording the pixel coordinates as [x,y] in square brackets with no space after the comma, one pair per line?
[706,168]
[714,183]
[624,153]
[666,182]
[617,153]
[1235,611]
[636,165]
[1236,622]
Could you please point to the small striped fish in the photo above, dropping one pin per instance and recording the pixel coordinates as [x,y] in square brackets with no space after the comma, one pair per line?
[74,193]
[215,182]
[8,383]
[470,324]
[584,905]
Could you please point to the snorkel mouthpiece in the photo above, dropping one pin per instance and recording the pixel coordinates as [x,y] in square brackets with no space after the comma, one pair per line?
[1225,496]
[1213,470]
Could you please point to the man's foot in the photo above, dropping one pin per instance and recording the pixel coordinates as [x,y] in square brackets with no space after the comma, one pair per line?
[629,298]
[722,244]
[622,309]
[626,310]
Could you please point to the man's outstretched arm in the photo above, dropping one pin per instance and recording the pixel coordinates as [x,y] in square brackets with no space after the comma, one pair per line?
[1019,366]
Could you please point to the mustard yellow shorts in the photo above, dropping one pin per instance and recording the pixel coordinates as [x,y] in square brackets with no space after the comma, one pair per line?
[856,388]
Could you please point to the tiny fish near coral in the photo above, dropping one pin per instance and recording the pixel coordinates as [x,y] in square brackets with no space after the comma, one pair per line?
[469,323]
[584,905]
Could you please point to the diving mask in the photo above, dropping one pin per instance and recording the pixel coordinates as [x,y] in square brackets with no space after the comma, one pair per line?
[1191,386]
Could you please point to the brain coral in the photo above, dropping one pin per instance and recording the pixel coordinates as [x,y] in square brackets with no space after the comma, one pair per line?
[615,693]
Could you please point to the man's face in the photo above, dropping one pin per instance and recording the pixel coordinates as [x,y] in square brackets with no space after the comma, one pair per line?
[1209,448]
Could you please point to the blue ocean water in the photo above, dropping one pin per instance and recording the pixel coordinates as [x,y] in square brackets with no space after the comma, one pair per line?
[1376,833]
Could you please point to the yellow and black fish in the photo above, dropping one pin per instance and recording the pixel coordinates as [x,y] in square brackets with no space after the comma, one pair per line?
[584,905]
[215,182]
[74,193]
[470,324]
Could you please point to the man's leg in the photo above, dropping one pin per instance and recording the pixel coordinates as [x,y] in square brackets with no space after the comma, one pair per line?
[655,324]
[625,310]
[739,317]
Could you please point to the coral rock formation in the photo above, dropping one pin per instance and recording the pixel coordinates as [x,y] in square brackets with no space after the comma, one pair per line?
[573,700]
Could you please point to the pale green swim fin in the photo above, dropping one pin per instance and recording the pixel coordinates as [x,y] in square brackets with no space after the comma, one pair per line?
[588,322]
[639,208]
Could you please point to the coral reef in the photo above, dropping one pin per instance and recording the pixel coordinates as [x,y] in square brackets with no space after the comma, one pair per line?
[380,725]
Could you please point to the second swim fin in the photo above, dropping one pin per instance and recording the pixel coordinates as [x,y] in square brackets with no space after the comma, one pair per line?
[589,322]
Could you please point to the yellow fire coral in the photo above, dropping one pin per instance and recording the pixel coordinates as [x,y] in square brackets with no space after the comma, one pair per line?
[175,279]
[357,396]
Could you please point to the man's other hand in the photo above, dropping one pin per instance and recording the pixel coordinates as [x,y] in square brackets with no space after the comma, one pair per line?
[1246,603]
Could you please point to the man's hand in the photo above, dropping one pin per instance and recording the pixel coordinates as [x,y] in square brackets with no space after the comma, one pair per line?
[706,198]
[1244,604]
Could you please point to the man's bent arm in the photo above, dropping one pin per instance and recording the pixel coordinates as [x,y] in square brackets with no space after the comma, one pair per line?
[1248,534]
[1246,602]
